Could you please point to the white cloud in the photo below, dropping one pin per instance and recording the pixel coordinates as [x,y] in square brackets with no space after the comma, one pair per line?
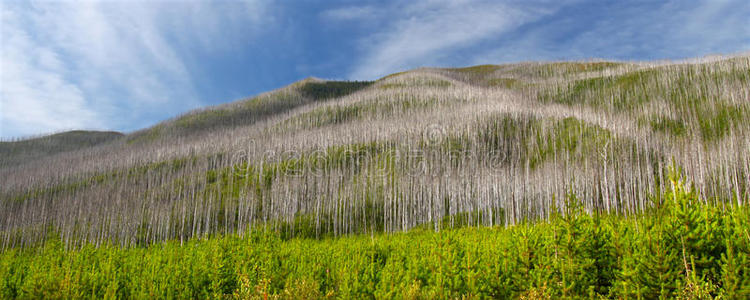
[657,30]
[352,13]
[437,33]
[424,32]
[34,92]
[92,64]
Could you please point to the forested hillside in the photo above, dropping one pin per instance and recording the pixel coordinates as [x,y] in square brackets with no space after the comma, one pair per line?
[680,248]
[27,150]
[340,167]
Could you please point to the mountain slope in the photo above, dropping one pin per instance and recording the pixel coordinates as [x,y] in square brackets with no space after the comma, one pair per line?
[250,111]
[483,145]
[17,152]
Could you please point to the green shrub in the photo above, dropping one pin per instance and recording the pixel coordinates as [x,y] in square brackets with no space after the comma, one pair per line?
[684,249]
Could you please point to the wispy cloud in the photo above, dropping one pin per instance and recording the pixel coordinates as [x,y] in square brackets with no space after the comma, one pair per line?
[425,32]
[353,13]
[617,30]
[35,93]
[436,33]
[93,64]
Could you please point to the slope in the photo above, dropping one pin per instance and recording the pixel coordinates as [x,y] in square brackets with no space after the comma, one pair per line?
[485,145]
[18,152]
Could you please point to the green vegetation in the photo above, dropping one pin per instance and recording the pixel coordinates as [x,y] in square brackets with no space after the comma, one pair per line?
[145,136]
[415,82]
[558,70]
[244,113]
[682,248]
[332,89]
[66,141]
[252,110]
[570,68]
[480,70]
[667,125]
[695,93]
[460,189]
[508,83]
[534,140]
[717,122]
[392,75]
[376,108]
[73,185]
[630,90]
[17,152]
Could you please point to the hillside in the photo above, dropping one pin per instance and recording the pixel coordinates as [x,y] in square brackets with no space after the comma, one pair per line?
[23,151]
[684,250]
[483,145]
[553,180]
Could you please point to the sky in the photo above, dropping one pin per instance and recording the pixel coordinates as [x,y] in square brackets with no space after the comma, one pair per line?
[127,65]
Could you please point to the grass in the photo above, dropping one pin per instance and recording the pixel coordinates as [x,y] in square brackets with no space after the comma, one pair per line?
[414,83]
[146,136]
[717,122]
[508,83]
[536,141]
[376,108]
[18,152]
[332,89]
[569,68]
[75,184]
[692,92]
[623,92]
[687,249]
[668,125]
[480,70]
[253,110]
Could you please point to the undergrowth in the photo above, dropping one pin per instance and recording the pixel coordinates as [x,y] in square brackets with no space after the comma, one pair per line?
[681,248]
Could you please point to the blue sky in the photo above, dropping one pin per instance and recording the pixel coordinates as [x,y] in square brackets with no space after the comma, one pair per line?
[126,65]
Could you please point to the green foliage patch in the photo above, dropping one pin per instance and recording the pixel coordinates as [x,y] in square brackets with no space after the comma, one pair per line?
[569,68]
[25,150]
[332,89]
[81,183]
[416,82]
[338,114]
[667,125]
[250,111]
[508,83]
[480,70]
[683,248]
[534,140]
[696,93]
